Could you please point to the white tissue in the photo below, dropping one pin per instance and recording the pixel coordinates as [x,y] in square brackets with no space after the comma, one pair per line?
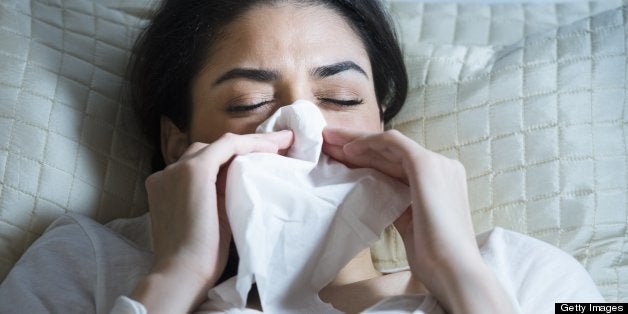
[297,220]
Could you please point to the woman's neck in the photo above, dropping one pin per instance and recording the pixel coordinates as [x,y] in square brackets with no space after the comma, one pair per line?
[359,285]
[358,269]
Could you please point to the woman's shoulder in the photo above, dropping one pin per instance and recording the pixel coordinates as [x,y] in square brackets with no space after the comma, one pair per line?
[518,247]
[71,221]
[75,238]
[133,232]
[506,248]
[136,230]
[69,230]
[77,262]
[536,273]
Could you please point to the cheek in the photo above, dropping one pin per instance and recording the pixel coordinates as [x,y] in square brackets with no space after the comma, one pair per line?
[210,130]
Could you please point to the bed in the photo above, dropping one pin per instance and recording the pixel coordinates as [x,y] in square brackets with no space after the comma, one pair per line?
[530,97]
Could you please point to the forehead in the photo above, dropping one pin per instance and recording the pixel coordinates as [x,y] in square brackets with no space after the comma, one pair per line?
[276,35]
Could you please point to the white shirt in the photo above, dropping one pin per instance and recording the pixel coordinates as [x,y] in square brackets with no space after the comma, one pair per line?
[81,266]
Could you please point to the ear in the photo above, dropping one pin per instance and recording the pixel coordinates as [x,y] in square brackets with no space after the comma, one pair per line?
[174,142]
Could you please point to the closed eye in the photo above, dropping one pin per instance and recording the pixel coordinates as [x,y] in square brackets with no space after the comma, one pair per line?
[239,108]
[342,102]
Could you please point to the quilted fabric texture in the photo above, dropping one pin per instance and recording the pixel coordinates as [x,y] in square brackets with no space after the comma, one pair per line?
[485,24]
[67,140]
[541,127]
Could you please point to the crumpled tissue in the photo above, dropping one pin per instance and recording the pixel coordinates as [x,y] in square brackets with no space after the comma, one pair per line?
[298,219]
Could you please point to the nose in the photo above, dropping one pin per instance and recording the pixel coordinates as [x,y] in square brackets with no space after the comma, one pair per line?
[297,89]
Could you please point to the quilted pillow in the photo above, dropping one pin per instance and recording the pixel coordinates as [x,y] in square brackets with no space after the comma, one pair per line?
[68,141]
[541,128]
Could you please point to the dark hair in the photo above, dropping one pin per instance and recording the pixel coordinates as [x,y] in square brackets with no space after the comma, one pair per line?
[173,48]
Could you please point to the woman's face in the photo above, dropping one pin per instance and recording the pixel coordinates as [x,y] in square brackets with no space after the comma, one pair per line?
[274,55]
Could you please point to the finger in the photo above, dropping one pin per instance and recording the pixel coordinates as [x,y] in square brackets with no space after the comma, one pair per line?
[380,151]
[377,162]
[266,142]
[353,142]
[378,142]
[284,139]
[230,145]
[337,153]
[391,145]
[341,136]
[239,145]
[369,159]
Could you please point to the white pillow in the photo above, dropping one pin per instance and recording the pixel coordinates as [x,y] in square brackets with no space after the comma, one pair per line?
[541,128]
[68,141]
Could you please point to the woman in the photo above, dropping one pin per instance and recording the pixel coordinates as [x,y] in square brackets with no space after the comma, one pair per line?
[206,74]
[271,55]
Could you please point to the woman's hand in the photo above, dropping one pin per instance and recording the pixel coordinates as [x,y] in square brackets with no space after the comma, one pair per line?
[437,230]
[191,234]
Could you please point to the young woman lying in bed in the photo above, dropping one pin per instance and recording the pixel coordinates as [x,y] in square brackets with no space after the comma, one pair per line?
[205,75]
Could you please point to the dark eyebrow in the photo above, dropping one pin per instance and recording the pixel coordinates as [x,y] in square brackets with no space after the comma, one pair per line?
[333,69]
[258,75]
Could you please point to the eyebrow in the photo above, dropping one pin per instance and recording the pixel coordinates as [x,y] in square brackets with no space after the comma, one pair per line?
[262,75]
[258,75]
[333,69]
